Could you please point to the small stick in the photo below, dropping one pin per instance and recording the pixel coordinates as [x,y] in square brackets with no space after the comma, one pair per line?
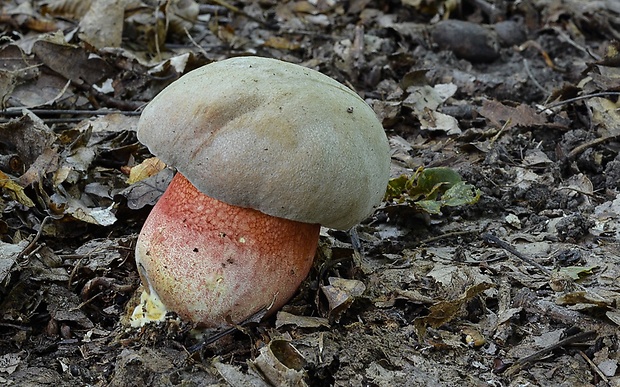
[529,73]
[579,98]
[256,317]
[18,111]
[594,367]
[106,99]
[490,238]
[30,246]
[501,130]
[520,363]
[581,148]
[447,235]
[198,46]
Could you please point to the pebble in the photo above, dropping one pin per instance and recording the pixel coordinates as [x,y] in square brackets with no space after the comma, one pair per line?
[510,33]
[467,40]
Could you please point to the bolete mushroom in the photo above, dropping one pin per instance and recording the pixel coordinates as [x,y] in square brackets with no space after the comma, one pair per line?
[266,152]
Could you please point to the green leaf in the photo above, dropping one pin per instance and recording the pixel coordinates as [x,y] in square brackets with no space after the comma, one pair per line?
[396,187]
[432,188]
[432,181]
[430,206]
[460,194]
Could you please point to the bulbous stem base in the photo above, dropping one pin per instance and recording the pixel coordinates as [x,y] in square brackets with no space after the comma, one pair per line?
[208,261]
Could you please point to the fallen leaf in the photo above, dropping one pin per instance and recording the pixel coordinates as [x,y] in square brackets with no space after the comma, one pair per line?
[445,311]
[101,216]
[147,191]
[234,376]
[281,43]
[10,361]
[281,364]
[146,169]
[285,318]
[72,62]
[8,255]
[340,295]
[583,297]
[102,25]
[429,189]
[8,184]
[502,116]
[605,115]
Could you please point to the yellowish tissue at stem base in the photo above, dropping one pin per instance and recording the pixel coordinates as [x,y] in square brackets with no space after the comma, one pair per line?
[149,310]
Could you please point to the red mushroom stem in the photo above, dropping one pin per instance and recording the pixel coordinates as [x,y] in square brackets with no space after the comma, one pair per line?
[192,244]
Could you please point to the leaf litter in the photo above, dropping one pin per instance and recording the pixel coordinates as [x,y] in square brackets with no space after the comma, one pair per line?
[524,121]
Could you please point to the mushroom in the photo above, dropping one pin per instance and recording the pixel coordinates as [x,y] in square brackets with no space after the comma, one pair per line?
[266,152]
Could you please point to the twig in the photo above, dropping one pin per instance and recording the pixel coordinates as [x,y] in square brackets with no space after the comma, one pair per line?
[107,100]
[531,303]
[17,111]
[529,73]
[581,97]
[458,233]
[594,367]
[215,337]
[446,235]
[581,148]
[31,245]
[501,130]
[15,326]
[210,340]
[520,363]
[570,41]
[489,238]
[199,47]
[84,303]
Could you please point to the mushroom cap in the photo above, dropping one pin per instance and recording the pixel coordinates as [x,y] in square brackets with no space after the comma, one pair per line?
[273,136]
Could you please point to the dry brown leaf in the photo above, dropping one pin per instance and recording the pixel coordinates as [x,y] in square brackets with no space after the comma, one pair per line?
[473,336]
[181,15]
[445,311]
[340,294]
[8,255]
[234,376]
[285,318]
[583,297]
[605,115]
[148,191]
[102,25]
[425,100]
[72,62]
[72,9]
[10,361]
[98,216]
[281,364]
[502,116]
[146,169]
[18,191]
[281,43]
